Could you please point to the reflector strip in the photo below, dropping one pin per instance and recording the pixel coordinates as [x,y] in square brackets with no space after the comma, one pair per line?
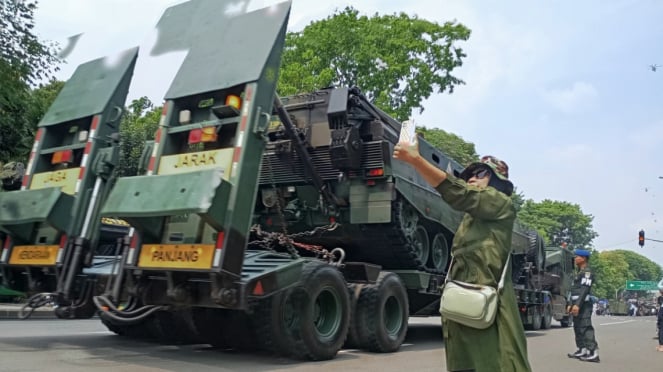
[5,252]
[58,259]
[86,152]
[35,147]
[157,140]
[242,128]
[258,290]
[217,257]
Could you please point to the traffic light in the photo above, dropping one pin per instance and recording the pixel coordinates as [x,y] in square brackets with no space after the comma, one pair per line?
[641,238]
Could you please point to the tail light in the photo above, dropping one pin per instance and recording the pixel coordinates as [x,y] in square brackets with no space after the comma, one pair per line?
[375,172]
[64,156]
[207,134]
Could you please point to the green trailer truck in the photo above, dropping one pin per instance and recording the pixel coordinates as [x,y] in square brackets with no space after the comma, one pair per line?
[53,241]
[261,221]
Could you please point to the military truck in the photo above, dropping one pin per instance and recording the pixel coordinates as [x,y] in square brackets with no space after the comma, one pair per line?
[54,244]
[558,279]
[286,217]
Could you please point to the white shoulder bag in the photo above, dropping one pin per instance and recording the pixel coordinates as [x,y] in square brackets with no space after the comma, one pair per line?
[470,304]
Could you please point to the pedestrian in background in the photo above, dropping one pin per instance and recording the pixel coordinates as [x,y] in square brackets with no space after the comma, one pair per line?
[480,249]
[659,318]
[580,307]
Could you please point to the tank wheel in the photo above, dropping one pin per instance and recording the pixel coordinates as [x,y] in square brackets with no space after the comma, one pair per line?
[439,252]
[421,244]
[409,217]
[547,317]
[382,314]
[322,304]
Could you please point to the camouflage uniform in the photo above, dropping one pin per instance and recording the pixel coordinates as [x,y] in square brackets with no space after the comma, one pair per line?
[582,323]
[480,248]
[12,175]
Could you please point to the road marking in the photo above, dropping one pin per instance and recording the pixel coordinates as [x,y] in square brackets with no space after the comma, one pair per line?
[625,321]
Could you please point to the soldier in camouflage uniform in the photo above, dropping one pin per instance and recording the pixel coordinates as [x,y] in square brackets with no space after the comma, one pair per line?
[12,175]
[579,305]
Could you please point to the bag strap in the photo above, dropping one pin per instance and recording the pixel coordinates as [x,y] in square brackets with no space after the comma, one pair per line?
[500,285]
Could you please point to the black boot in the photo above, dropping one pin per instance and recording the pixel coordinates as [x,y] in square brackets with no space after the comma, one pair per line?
[592,357]
[579,353]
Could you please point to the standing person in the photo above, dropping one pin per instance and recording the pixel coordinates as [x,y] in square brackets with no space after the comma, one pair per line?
[659,322]
[659,318]
[480,248]
[580,307]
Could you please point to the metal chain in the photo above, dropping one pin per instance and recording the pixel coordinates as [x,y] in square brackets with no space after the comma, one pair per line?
[287,240]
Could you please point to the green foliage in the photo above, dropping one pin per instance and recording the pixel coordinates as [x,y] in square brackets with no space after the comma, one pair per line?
[518,199]
[614,268]
[396,60]
[611,272]
[139,124]
[24,60]
[559,222]
[452,145]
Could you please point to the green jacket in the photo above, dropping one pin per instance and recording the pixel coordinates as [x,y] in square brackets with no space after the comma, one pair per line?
[580,292]
[480,248]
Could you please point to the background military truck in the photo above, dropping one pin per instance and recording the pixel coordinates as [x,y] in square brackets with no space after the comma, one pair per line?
[558,279]
[54,242]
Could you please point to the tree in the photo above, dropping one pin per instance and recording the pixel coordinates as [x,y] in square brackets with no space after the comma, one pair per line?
[396,60]
[611,272]
[24,60]
[559,222]
[139,124]
[614,268]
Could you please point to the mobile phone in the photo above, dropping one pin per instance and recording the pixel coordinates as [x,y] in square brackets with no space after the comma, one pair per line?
[408,134]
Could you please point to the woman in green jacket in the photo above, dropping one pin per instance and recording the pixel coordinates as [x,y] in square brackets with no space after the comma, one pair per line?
[480,248]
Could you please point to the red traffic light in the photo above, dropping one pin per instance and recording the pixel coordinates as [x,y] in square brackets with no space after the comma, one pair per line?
[641,238]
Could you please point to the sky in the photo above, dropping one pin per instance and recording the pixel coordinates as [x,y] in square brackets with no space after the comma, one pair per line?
[562,91]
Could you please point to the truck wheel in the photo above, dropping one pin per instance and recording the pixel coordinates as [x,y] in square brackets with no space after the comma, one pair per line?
[322,303]
[440,252]
[276,320]
[547,317]
[174,327]
[536,319]
[352,341]
[382,314]
[566,322]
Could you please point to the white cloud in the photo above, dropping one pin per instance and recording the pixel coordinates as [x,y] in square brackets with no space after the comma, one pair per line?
[578,97]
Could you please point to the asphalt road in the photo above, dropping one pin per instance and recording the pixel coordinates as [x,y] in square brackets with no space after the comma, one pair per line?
[626,344]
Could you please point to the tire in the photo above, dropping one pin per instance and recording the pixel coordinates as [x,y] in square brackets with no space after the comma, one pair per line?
[174,327]
[275,320]
[352,341]
[566,322]
[382,314]
[322,303]
[536,253]
[537,319]
[547,317]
